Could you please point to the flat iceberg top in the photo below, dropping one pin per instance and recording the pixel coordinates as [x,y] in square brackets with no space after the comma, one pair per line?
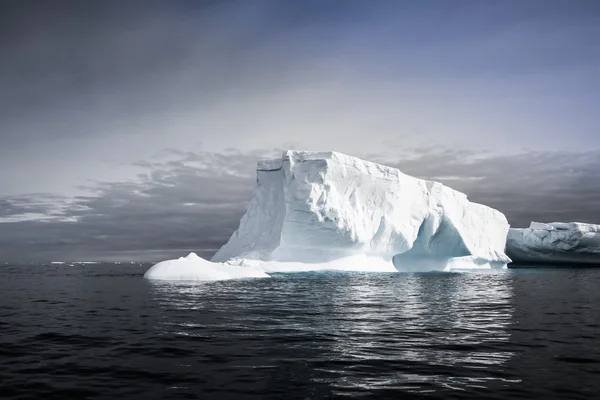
[555,242]
[564,226]
[332,157]
[373,169]
[541,225]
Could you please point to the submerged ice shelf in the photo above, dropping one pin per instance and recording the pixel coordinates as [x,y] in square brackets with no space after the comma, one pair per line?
[312,211]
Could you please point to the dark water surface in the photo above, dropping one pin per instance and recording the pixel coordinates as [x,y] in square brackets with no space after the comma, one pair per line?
[101,331]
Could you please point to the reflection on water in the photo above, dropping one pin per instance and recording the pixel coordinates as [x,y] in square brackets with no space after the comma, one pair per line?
[351,333]
[103,332]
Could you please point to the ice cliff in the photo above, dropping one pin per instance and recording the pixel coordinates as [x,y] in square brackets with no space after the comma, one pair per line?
[326,210]
[555,242]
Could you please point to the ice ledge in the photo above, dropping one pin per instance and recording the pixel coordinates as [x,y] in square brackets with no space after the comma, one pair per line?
[275,164]
[563,226]
[269,165]
[380,171]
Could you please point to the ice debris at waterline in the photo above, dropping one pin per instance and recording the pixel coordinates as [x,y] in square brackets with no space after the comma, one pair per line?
[195,268]
[556,242]
[314,211]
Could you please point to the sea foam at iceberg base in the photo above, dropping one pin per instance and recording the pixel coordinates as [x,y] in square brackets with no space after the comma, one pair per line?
[329,211]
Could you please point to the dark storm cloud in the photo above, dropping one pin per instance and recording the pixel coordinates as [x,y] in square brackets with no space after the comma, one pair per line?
[193,201]
[69,66]
[187,201]
[113,58]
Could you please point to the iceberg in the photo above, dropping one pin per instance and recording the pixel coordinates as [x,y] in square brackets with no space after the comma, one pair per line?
[555,243]
[322,207]
[195,268]
[330,211]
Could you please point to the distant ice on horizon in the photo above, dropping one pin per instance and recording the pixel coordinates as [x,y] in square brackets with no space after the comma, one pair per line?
[555,242]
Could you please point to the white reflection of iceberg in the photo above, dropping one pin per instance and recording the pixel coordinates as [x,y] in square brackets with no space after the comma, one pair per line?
[442,322]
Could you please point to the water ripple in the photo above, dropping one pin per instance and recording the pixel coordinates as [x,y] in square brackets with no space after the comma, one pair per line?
[103,332]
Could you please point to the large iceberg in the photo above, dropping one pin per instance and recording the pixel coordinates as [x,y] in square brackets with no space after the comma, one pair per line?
[556,242]
[316,208]
[326,210]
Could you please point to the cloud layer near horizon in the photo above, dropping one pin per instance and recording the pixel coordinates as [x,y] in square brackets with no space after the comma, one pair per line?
[192,201]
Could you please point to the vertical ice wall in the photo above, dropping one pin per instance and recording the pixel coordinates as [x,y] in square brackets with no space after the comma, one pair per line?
[259,232]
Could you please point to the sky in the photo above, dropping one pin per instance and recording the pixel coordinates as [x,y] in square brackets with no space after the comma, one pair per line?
[130,130]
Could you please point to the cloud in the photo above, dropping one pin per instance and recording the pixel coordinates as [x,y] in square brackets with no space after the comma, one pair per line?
[543,186]
[186,201]
[192,201]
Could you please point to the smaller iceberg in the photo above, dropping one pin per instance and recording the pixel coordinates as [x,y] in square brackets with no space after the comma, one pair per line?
[195,268]
[555,243]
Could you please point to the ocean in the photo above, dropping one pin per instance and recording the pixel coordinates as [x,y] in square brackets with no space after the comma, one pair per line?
[100,331]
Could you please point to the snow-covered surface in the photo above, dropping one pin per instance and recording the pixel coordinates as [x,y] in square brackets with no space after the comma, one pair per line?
[540,225]
[556,242]
[195,268]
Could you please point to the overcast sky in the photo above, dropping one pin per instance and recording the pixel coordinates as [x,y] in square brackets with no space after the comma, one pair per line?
[130,129]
